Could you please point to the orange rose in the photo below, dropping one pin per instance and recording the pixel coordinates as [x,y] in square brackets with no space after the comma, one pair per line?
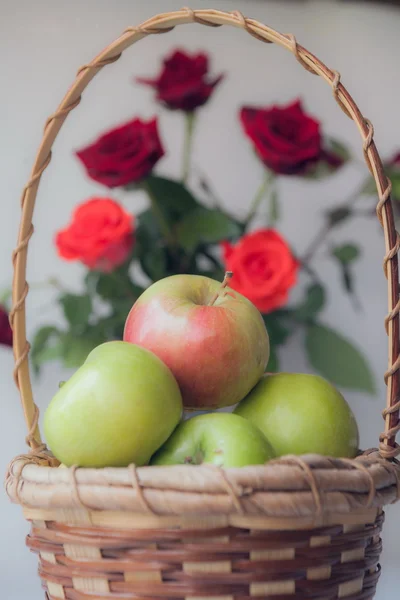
[264,268]
[100,235]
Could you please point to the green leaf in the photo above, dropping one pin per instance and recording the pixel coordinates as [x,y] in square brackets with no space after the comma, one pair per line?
[338,215]
[312,305]
[394,175]
[338,148]
[52,352]
[5,297]
[117,284]
[369,188]
[76,349]
[77,309]
[146,222]
[204,226]
[335,358]
[149,249]
[106,286]
[278,330]
[51,344]
[154,263]
[273,209]
[346,253]
[44,346]
[273,363]
[173,198]
[334,156]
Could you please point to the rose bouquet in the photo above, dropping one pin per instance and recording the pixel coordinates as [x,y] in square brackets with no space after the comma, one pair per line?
[187,231]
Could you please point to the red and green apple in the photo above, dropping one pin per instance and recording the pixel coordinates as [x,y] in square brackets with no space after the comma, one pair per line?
[212,338]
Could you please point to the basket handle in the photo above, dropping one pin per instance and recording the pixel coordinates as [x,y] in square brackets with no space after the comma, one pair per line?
[162,24]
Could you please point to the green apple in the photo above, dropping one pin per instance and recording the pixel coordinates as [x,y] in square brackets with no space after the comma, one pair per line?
[302,414]
[223,439]
[211,337]
[118,408]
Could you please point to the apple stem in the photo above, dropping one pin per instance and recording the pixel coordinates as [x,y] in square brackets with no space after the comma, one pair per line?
[227,278]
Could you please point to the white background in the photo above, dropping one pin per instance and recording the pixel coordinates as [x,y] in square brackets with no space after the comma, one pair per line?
[42,43]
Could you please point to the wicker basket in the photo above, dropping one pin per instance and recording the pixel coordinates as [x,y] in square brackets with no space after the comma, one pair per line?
[296,528]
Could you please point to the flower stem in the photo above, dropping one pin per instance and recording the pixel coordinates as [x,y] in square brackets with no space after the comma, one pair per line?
[159,216]
[315,244]
[328,226]
[267,180]
[190,118]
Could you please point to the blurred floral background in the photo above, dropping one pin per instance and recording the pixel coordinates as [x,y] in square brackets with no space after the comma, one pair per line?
[187,227]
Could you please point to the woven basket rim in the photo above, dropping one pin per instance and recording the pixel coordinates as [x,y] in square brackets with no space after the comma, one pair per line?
[287,487]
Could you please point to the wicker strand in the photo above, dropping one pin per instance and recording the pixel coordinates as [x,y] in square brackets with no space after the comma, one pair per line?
[138,488]
[21,358]
[22,245]
[30,436]
[20,303]
[386,451]
[196,19]
[144,31]
[361,467]
[297,53]
[244,23]
[229,487]
[367,143]
[63,112]
[74,486]
[309,477]
[335,89]
[393,313]
[382,200]
[391,254]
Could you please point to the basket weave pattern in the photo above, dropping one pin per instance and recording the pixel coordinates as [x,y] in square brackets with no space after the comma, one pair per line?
[297,528]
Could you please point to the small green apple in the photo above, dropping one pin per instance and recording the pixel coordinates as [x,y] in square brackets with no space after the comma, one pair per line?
[302,414]
[224,439]
[118,408]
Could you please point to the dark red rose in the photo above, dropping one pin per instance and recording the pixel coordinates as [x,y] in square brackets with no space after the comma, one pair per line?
[395,161]
[123,155]
[6,337]
[183,83]
[100,235]
[263,267]
[287,140]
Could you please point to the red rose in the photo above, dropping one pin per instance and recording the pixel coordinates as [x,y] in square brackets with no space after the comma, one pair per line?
[286,139]
[6,336]
[395,161]
[182,83]
[123,155]
[264,268]
[100,235]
